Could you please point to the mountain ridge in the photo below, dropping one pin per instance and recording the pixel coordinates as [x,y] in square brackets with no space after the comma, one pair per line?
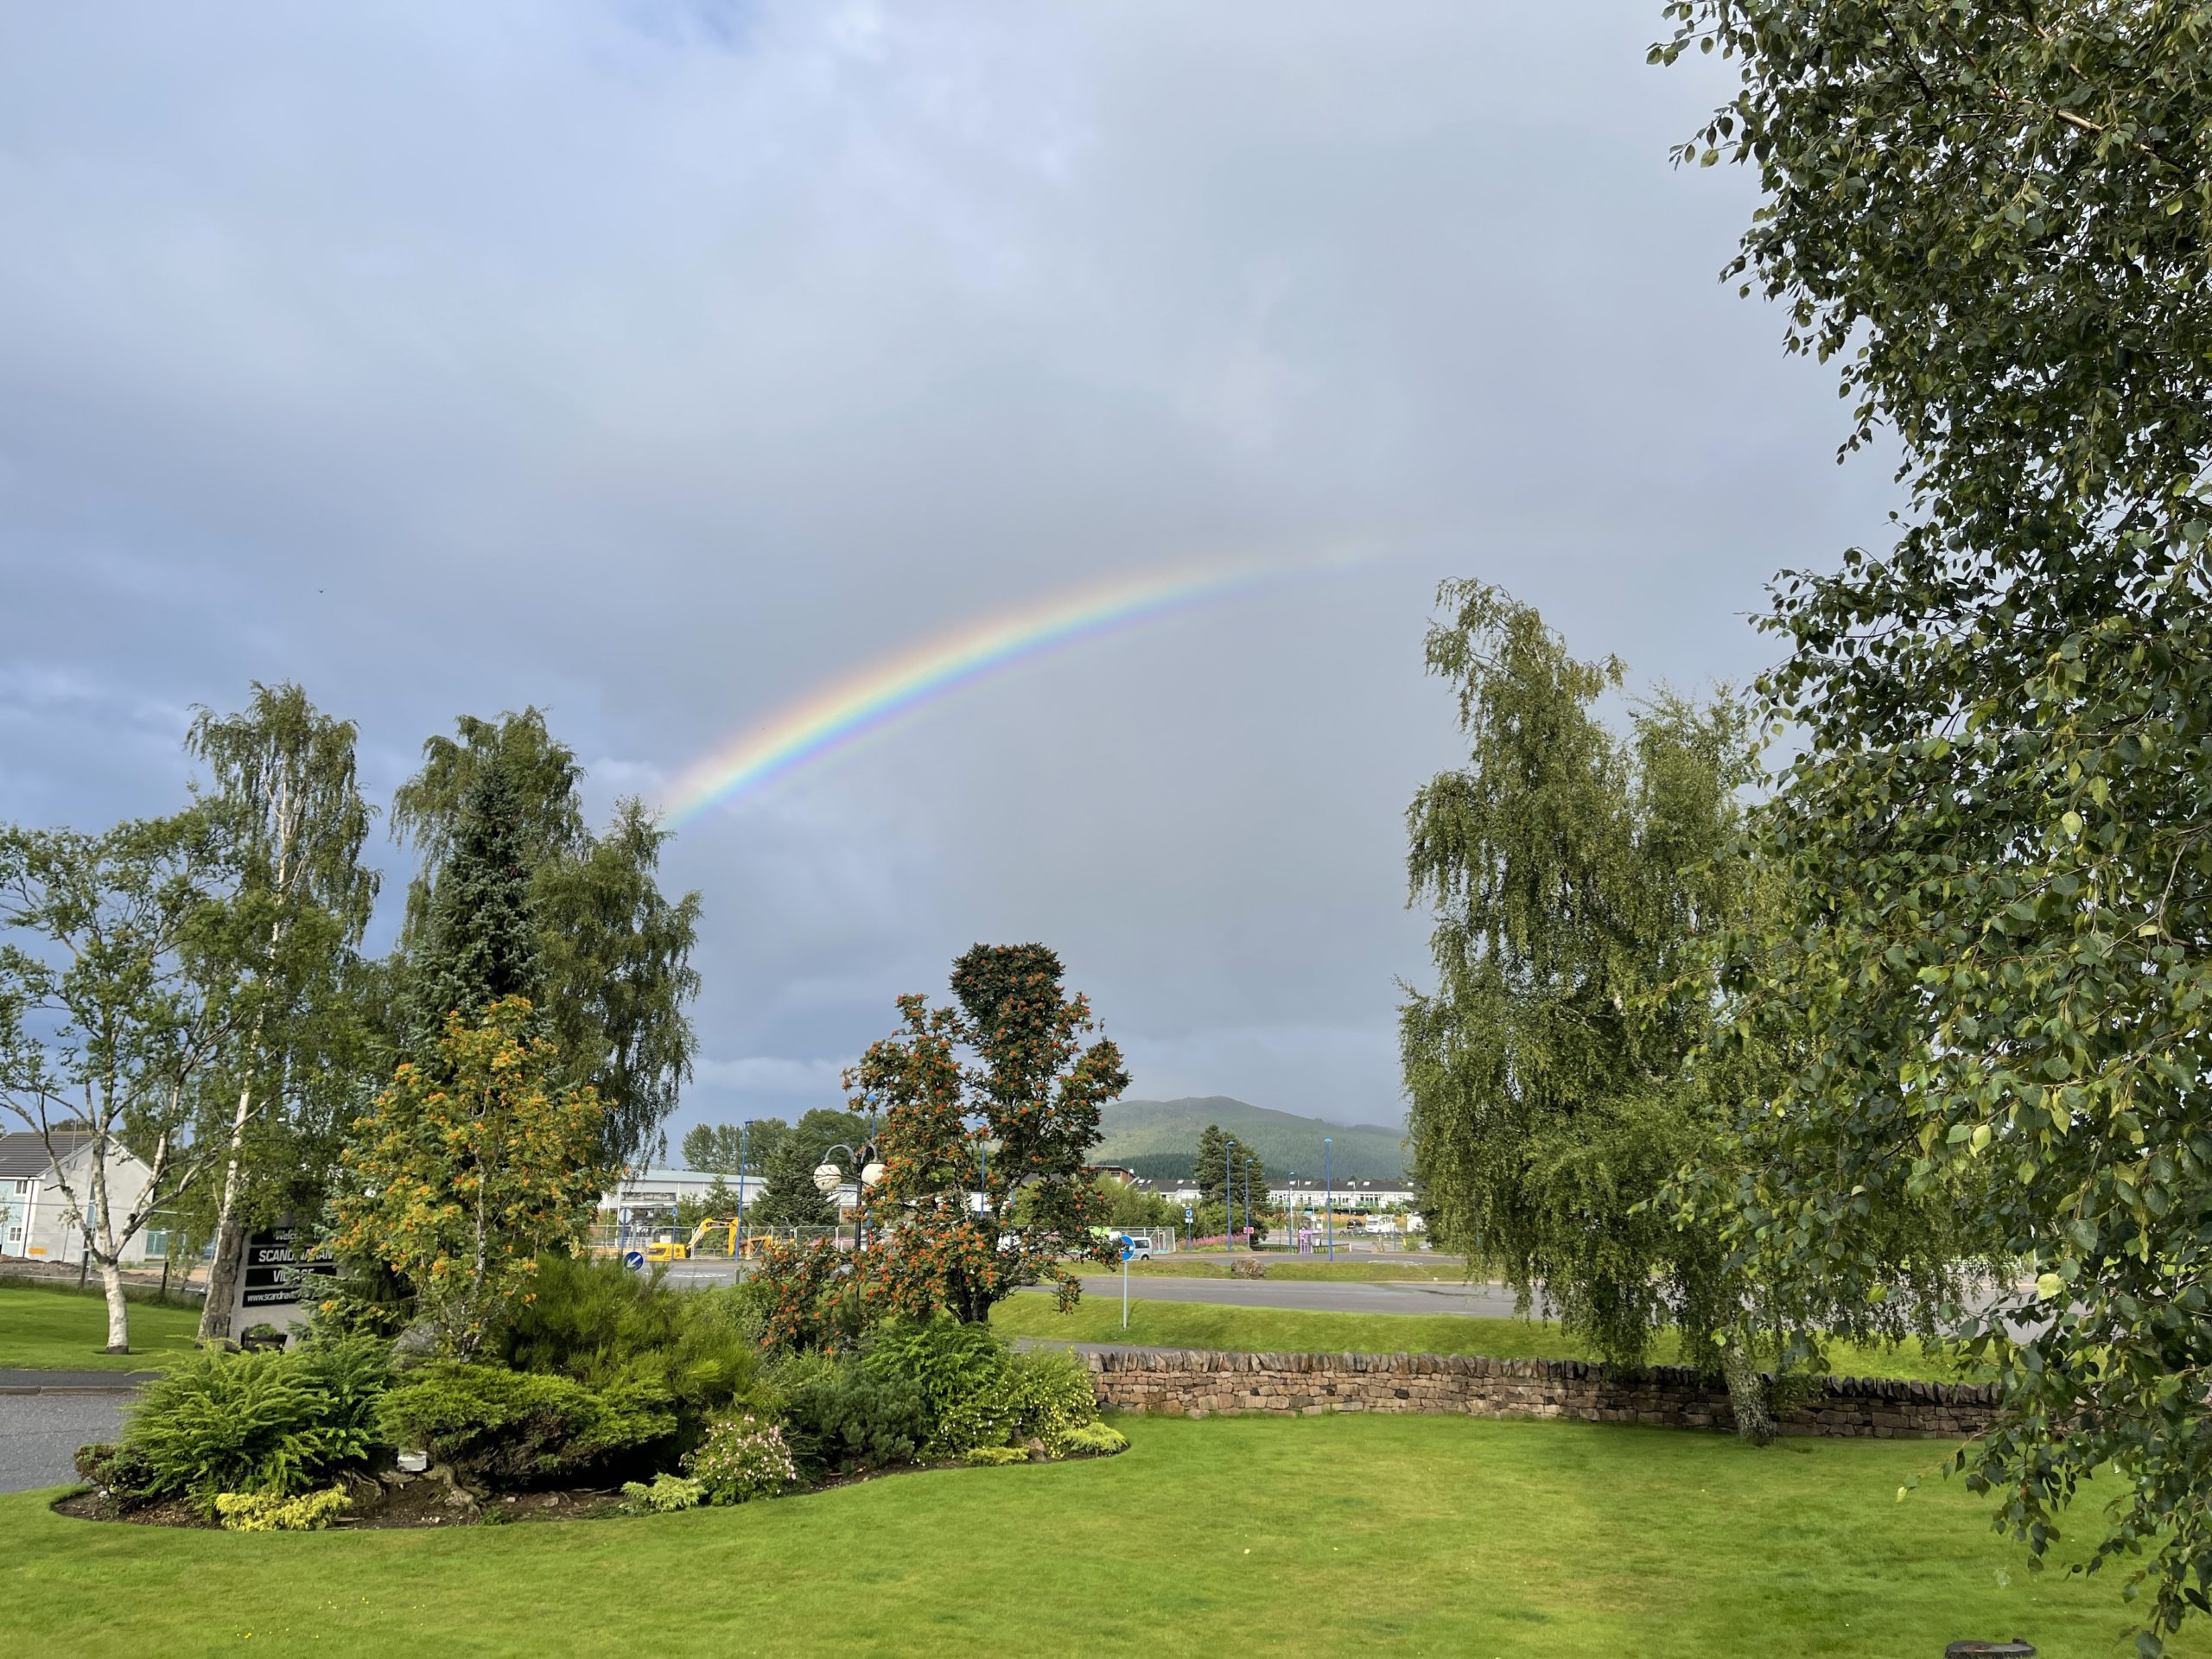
[1159,1138]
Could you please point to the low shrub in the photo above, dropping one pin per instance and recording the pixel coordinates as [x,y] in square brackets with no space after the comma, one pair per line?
[992,1455]
[518,1429]
[262,1512]
[742,1458]
[120,1472]
[665,1496]
[267,1424]
[1053,1395]
[963,1374]
[1091,1439]
[979,1393]
[840,1417]
[599,1323]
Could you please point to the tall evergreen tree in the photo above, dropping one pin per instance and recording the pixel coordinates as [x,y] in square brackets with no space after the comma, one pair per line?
[1223,1171]
[615,950]
[788,1195]
[479,941]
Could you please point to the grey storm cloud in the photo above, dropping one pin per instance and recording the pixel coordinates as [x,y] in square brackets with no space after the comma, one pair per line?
[660,364]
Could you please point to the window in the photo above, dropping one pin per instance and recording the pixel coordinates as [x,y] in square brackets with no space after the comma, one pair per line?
[15,1233]
[158,1243]
[22,1186]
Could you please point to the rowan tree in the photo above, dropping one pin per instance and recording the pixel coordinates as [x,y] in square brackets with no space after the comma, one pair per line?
[465,1171]
[987,1111]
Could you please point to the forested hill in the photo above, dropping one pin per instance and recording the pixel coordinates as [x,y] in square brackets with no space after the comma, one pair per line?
[1158,1137]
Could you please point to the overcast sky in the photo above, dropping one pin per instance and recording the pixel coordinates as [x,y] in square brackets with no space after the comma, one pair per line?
[658,364]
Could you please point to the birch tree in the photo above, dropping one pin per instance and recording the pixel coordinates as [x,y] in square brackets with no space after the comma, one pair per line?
[1993,224]
[282,783]
[118,1005]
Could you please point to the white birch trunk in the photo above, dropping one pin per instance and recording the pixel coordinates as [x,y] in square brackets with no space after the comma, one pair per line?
[118,1311]
[223,1272]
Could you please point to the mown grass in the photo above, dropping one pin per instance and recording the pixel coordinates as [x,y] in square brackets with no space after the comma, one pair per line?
[1333,1535]
[1290,1331]
[61,1328]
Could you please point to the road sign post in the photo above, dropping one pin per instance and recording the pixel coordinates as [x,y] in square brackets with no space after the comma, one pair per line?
[1126,1253]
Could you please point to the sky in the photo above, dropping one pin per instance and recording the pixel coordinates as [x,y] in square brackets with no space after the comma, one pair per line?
[661,365]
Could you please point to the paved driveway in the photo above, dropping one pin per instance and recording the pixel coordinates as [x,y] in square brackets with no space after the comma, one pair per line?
[40,1432]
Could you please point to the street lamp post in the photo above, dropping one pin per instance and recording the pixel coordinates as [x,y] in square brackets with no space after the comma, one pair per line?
[1228,1197]
[827,1178]
[744,1130]
[1329,1199]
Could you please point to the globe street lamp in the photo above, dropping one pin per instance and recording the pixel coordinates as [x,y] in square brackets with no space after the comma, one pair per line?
[827,1178]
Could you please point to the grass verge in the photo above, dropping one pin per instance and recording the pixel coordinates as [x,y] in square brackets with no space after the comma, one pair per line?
[61,1328]
[1289,1330]
[1341,1535]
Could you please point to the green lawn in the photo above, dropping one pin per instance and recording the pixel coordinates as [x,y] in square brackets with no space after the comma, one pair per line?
[1327,1535]
[1287,1331]
[63,1328]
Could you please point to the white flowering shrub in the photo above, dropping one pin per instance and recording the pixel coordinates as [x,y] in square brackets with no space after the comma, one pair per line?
[742,1457]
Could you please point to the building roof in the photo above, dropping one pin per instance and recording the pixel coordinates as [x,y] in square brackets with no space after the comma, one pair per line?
[22,1153]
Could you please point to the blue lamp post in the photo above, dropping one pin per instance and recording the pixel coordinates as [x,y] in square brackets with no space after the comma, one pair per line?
[1329,1199]
[1228,1197]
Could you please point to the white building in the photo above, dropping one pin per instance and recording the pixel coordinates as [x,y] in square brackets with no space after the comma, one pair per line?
[36,1220]
[644,1192]
[1347,1195]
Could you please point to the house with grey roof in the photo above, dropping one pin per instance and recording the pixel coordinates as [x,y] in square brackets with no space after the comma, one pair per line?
[38,1223]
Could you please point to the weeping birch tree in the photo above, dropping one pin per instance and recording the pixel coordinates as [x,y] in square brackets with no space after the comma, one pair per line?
[1571,871]
[282,782]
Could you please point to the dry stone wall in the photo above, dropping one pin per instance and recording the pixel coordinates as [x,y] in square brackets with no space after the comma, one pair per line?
[1198,1385]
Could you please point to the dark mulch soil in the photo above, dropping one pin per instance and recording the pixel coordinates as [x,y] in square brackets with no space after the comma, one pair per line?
[390,1500]
[393,1499]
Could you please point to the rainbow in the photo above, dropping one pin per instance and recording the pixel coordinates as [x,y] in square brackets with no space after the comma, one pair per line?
[866,702]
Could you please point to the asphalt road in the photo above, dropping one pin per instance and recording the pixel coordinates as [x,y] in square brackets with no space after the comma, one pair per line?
[40,1432]
[1485,1301]
[1482,1301]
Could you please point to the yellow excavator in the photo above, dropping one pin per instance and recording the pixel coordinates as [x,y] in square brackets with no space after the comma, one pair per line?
[666,1247]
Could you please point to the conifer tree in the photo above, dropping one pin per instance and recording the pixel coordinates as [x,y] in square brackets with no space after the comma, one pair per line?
[480,936]
[614,973]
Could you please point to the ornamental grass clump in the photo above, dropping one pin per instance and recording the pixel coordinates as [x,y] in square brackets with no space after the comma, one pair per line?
[742,1458]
